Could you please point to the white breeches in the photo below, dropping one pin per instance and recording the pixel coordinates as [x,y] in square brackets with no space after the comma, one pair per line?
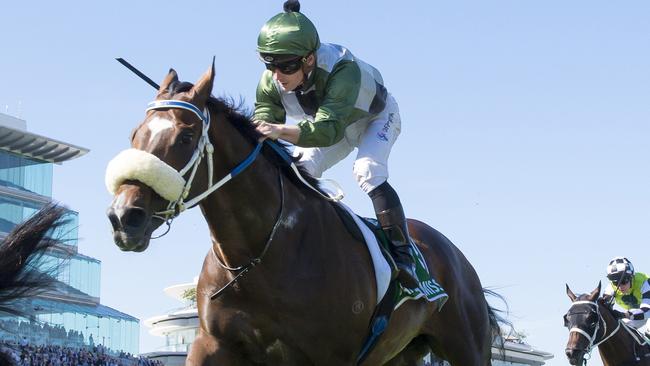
[374,140]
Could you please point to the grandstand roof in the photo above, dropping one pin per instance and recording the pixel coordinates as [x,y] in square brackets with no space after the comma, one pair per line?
[15,138]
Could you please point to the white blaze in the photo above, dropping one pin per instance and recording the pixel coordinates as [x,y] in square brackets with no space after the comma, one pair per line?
[157,125]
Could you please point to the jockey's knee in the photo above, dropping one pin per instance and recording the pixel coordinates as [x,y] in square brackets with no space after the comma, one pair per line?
[369,174]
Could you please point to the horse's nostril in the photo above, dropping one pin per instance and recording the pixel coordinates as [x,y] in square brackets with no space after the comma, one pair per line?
[134,217]
[572,355]
[112,217]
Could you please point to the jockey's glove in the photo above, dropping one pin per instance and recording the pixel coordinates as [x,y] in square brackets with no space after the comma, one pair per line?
[635,314]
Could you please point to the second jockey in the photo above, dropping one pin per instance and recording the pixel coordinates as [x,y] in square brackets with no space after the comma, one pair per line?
[631,292]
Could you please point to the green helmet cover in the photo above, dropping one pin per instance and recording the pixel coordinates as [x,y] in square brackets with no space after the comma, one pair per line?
[290,33]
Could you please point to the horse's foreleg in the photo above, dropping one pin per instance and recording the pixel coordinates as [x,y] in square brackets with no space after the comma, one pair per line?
[206,350]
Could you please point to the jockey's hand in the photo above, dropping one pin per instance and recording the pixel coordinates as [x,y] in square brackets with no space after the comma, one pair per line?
[635,314]
[273,131]
[268,130]
[620,314]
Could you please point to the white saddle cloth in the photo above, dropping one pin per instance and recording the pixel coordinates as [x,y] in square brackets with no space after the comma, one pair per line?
[382,269]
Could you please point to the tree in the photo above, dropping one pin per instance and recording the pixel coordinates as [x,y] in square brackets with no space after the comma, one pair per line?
[190,295]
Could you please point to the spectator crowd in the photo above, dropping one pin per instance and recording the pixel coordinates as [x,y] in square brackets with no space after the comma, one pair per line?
[51,355]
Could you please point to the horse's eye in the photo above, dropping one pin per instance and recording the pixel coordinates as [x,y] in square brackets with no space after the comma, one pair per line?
[186,138]
[566,320]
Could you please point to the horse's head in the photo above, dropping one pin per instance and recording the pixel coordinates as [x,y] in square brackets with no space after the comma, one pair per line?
[148,180]
[583,321]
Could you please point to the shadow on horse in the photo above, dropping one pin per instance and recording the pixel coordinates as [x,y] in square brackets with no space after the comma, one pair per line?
[295,286]
[592,323]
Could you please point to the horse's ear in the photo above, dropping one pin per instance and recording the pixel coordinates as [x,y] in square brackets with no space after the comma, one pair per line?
[203,87]
[570,293]
[171,77]
[595,293]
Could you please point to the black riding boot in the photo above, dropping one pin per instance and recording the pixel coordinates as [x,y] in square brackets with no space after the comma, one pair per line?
[392,220]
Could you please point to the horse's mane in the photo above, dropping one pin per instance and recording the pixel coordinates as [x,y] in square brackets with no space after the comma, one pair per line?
[22,274]
[241,118]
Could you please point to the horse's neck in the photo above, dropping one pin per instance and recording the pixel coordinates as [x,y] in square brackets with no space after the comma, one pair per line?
[620,346]
[241,214]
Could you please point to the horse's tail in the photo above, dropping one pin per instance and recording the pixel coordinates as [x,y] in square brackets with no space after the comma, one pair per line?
[22,270]
[497,320]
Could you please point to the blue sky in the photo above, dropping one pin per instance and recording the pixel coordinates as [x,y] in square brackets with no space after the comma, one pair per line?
[524,139]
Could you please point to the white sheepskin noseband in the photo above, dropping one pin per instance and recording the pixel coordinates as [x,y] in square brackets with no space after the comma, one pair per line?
[134,164]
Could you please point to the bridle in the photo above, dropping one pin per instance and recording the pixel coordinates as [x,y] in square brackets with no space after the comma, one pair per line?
[592,337]
[205,148]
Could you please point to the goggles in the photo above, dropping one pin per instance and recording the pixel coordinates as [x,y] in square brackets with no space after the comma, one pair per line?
[285,66]
[621,282]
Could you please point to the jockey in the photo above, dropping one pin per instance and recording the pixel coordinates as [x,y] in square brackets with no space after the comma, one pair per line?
[342,104]
[630,290]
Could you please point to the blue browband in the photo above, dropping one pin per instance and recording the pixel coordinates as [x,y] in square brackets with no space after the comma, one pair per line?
[160,104]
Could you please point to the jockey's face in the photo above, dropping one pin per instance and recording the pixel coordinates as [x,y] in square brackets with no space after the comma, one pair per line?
[625,288]
[291,81]
[624,284]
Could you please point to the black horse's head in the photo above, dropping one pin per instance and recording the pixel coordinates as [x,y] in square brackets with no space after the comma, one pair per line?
[583,321]
[150,175]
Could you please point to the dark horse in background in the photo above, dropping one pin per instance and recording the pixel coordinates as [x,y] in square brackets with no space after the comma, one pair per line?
[592,323]
[310,298]
[20,278]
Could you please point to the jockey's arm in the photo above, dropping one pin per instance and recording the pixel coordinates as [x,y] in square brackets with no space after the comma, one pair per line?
[269,115]
[643,312]
[268,103]
[290,133]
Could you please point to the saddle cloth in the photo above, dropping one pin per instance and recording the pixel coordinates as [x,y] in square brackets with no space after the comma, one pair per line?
[429,289]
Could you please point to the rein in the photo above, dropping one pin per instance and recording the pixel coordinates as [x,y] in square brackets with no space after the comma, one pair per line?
[205,148]
[254,261]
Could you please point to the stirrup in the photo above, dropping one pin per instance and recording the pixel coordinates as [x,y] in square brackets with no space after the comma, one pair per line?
[405,262]
[408,278]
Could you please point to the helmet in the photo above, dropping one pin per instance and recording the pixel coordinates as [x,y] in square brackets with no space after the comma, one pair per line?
[287,33]
[619,268]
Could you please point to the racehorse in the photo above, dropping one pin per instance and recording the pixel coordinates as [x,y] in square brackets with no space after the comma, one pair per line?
[19,252]
[284,282]
[592,323]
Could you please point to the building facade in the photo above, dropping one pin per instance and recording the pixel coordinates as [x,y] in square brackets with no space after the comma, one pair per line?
[179,326]
[70,315]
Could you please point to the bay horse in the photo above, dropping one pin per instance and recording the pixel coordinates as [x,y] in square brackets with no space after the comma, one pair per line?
[20,252]
[592,323]
[284,282]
